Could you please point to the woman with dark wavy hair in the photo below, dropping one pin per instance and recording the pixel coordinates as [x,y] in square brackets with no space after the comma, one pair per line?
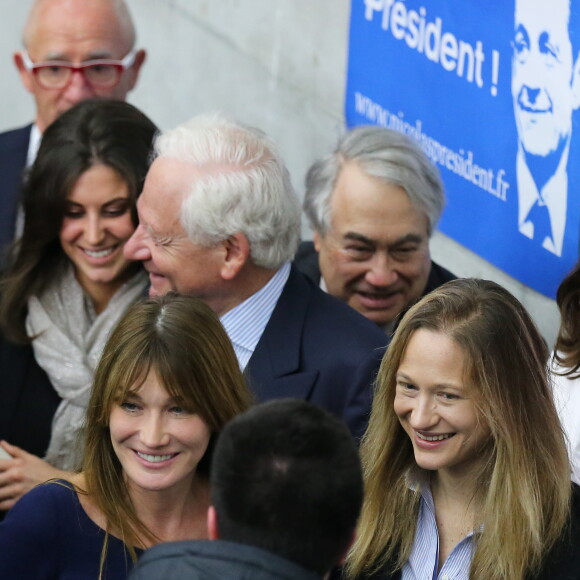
[67,284]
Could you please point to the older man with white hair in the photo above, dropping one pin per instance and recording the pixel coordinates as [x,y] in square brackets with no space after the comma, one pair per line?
[219,220]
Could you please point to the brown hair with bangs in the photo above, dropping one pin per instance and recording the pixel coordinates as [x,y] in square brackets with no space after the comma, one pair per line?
[183,341]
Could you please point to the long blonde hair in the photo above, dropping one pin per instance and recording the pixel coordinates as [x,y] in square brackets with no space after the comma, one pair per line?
[184,342]
[525,486]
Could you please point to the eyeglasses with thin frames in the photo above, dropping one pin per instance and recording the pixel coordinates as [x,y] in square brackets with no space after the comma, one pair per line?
[98,73]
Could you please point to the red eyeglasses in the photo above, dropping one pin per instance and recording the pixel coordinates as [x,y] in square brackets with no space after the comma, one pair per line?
[99,73]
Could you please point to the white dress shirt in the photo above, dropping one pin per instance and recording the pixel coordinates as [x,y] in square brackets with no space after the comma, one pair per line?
[424,559]
[245,323]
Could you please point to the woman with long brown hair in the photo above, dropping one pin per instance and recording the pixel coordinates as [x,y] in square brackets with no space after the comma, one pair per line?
[465,464]
[166,385]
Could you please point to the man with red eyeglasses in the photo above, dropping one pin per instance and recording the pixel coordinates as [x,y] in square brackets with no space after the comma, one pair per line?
[73,50]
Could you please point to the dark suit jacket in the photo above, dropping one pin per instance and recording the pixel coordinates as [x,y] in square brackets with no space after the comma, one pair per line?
[316,348]
[13,152]
[306,260]
[28,400]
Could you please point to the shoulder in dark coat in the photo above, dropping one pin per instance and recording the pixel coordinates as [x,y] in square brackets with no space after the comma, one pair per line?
[28,400]
[13,154]
[215,560]
[317,348]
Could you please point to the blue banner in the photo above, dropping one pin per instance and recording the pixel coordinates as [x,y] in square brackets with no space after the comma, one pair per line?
[489,90]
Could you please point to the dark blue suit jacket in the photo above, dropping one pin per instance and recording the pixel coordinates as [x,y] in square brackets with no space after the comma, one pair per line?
[13,152]
[316,348]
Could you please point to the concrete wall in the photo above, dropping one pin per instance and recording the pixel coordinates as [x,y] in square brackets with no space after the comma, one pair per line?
[277,64]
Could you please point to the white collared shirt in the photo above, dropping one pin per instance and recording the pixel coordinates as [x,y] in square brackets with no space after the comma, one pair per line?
[424,559]
[33,145]
[554,196]
[246,322]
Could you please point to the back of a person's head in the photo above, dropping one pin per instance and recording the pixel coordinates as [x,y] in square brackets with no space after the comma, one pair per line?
[286,478]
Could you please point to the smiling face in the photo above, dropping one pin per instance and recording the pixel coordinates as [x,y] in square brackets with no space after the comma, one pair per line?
[173,261]
[435,406]
[375,256]
[158,442]
[543,75]
[97,222]
[75,32]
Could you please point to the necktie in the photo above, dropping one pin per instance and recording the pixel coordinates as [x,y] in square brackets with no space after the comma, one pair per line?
[540,217]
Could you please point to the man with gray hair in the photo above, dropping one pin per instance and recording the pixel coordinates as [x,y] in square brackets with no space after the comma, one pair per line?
[219,220]
[73,50]
[373,204]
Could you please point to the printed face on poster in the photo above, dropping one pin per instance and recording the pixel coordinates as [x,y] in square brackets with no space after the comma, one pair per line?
[490,90]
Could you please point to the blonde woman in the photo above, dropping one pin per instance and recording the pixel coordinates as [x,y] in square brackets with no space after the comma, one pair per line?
[465,463]
[166,385]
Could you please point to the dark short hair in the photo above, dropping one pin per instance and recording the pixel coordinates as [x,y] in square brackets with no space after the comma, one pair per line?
[286,478]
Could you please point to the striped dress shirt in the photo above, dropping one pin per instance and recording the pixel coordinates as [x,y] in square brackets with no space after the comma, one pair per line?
[424,559]
[245,323]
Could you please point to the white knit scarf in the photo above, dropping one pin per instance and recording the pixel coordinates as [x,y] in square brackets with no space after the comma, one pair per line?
[69,341]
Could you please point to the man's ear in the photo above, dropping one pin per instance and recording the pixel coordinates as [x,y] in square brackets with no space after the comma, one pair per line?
[316,240]
[212,524]
[237,253]
[575,83]
[25,74]
[136,68]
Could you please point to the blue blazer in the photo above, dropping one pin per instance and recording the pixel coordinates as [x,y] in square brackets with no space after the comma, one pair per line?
[13,153]
[317,348]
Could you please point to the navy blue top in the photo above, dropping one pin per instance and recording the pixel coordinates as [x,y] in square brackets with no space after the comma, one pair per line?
[47,535]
